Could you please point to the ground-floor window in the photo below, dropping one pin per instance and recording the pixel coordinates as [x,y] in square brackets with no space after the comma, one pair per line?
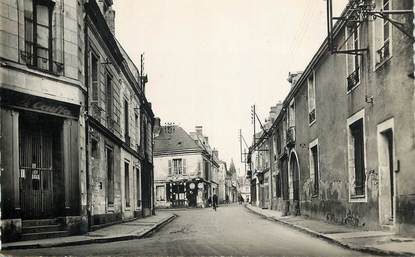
[314,166]
[138,186]
[160,193]
[356,155]
[110,175]
[127,183]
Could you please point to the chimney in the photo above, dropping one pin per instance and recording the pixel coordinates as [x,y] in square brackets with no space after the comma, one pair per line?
[293,77]
[199,130]
[110,18]
[215,153]
[206,140]
[157,126]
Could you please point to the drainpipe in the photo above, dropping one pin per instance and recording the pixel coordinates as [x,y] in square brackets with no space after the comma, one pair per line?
[86,79]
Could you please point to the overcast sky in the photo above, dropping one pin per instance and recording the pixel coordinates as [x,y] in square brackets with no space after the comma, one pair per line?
[208,61]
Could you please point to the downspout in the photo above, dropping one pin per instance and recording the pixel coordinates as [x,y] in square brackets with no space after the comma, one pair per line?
[86,79]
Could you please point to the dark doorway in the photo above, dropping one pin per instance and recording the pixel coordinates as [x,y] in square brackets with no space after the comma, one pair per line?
[295,178]
[40,165]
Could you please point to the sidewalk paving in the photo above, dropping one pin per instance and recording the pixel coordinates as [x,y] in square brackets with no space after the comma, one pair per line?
[136,229]
[375,242]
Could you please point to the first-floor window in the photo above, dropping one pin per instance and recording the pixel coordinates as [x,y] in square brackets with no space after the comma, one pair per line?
[177,166]
[38,33]
[160,193]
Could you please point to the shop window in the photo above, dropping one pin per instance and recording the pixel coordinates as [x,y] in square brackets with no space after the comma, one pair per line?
[160,193]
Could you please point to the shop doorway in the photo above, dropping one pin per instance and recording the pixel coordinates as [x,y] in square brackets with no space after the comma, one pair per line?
[40,165]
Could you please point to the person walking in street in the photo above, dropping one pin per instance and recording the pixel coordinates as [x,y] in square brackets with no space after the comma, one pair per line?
[214,201]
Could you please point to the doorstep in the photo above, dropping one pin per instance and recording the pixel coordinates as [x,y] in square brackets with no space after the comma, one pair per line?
[136,229]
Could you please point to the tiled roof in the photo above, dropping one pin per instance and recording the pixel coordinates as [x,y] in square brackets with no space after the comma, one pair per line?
[174,139]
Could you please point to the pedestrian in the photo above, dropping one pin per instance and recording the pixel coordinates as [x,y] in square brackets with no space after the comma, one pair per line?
[209,201]
[215,201]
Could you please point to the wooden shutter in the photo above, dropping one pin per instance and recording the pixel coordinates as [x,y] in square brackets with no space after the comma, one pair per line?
[169,167]
[184,166]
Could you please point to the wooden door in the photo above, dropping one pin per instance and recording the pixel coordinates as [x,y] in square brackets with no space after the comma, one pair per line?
[36,171]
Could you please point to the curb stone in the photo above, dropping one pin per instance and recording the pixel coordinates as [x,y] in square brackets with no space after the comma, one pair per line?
[144,234]
[371,250]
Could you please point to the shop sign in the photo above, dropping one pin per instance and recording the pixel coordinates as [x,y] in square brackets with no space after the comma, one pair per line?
[35,174]
[192,185]
[38,103]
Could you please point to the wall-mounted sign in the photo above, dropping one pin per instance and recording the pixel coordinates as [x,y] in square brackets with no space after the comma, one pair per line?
[41,104]
[35,174]
[192,186]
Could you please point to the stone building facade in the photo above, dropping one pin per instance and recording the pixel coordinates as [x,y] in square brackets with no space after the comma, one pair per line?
[185,168]
[345,135]
[57,137]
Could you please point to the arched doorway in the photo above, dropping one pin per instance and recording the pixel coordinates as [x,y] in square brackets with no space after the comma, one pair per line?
[295,182]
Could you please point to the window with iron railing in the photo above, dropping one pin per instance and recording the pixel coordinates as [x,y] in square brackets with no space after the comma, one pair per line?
[291,136]
[353,60]
[38,51]
[353,79]
[383,29]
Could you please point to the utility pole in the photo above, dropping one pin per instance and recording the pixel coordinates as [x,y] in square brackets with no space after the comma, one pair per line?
[253,116]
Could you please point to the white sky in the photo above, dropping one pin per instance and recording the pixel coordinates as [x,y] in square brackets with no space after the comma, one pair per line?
[208,61]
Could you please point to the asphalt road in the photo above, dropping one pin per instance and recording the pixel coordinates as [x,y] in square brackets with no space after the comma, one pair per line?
[231,230]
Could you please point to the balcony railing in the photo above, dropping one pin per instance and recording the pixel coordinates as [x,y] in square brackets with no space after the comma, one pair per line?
[110,123]
[127,140]
[96,111]
[353,79]
[42,64]
[383,53]
[291,136]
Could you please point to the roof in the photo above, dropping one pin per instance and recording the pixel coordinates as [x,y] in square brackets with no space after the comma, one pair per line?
[174,139]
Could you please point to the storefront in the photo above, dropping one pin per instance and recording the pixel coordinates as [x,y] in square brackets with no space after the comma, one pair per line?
[39,146]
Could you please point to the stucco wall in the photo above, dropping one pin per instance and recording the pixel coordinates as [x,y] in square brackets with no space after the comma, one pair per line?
[161,165]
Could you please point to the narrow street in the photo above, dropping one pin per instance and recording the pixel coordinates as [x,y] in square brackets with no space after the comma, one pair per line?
[231,230]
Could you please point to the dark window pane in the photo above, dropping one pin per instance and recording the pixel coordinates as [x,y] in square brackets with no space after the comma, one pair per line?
[42,13]
[28,9]
[42,36]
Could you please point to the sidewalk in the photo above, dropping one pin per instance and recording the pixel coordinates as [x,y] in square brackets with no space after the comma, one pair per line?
[375,242]
[124,231]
